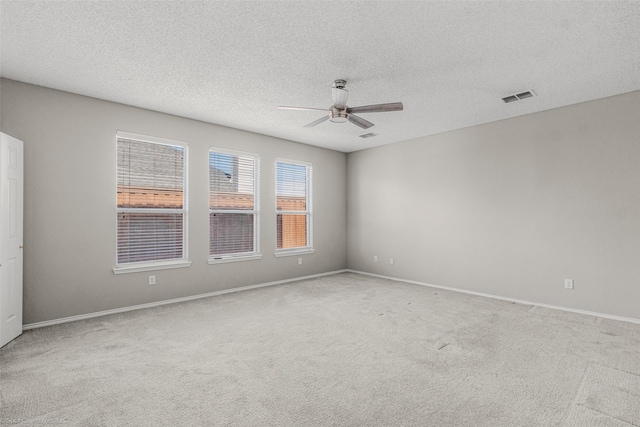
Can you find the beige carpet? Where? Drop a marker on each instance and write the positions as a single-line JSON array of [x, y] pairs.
[[343, 350]]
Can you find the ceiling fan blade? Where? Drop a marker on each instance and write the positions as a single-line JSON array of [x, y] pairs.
[[377, 108], [302, 108], [317, 122], [339, 97], [359, 121]]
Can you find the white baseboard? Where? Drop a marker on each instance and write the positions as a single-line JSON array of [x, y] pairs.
[[170, 301], [278, 282], [482, 294]]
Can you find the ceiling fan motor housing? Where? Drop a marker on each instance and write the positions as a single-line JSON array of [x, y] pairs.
[[338, 116]]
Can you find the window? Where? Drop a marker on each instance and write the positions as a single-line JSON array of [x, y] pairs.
[[151, 203], [234, 206], [293, 208]]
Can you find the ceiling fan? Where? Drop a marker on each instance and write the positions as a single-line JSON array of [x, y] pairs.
[[340, 112]]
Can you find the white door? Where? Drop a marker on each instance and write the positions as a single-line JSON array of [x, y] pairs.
[[11, 156]]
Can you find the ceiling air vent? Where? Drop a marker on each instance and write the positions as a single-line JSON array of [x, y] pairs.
[[368, 135], [518, 96]]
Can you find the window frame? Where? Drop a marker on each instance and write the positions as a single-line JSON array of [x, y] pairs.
[[301, 250], [132, 267], [240, 256]]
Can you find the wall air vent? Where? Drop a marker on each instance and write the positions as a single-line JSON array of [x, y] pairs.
[[368, 135], [518, 96]]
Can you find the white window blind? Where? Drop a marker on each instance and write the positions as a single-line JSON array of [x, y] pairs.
[[151, 202], [293, 205], [234, 205]]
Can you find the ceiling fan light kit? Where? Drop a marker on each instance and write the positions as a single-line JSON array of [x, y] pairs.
[[341, 113], [338, 116]]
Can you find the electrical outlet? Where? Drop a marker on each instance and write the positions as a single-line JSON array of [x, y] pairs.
[[152, 280], [568, 283], [299, 261], [375, 258], [391, 261]]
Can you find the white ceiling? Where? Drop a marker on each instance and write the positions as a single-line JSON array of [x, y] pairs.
[[231, 63]]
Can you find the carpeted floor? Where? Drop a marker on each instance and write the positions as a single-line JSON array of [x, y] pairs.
[[342, 350]]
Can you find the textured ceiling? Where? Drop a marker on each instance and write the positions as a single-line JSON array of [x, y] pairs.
[[231, 63]]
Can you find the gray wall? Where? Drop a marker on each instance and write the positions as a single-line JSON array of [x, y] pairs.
[[70, 219], [510, 208]]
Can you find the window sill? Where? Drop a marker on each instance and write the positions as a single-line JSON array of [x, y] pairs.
[[293, 252], [225, 259], [135, 268]]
